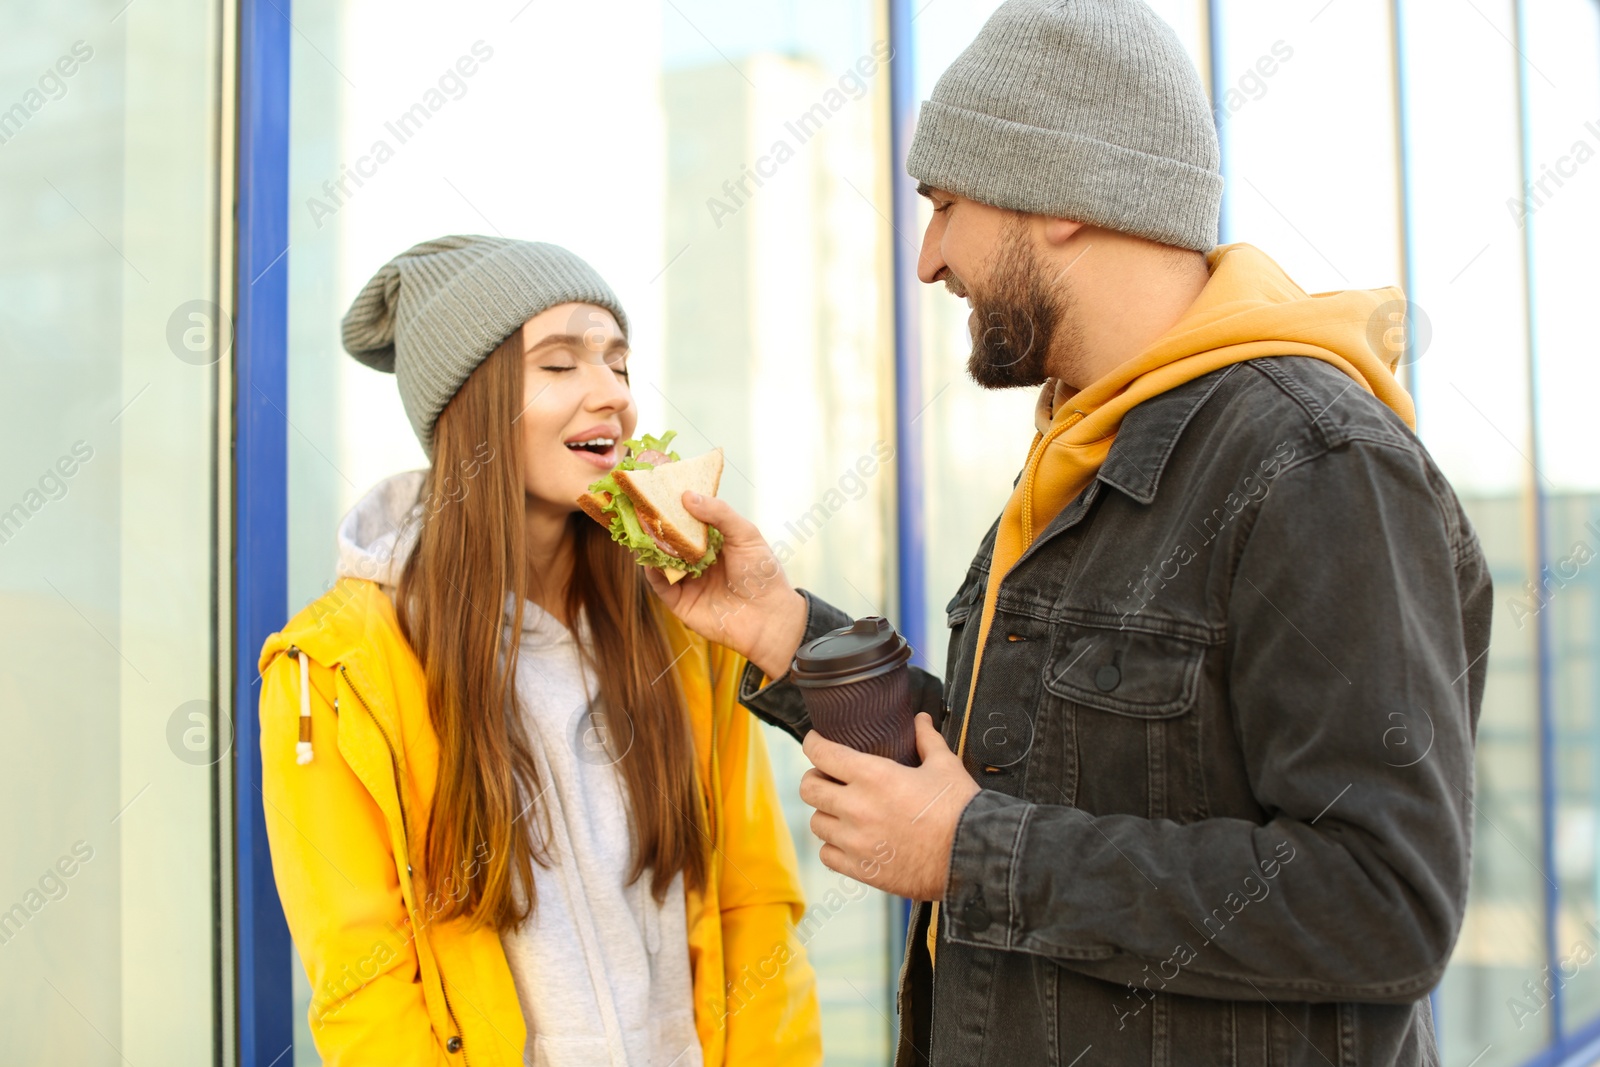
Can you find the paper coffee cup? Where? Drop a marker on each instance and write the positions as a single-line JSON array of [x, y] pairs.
[[856, 682]]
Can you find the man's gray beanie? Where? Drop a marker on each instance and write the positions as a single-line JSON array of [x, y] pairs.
[[434, 312], [1081, 109]]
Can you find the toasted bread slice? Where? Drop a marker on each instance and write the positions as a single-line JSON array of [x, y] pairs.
[[594, 505], [657, 497]]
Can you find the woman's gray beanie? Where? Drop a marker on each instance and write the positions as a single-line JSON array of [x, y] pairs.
[[1081, 109], [434, 312]]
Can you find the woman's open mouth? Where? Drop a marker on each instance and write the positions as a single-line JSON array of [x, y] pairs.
[[600, 451]]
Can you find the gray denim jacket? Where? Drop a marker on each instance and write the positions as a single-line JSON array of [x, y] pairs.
[[1224, 730]]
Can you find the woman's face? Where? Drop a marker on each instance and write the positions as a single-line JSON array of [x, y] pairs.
[[576, 405]]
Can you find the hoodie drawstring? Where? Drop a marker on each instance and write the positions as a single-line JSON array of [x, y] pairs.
[[302, 748]]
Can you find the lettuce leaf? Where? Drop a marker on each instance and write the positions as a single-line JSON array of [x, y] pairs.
[[626, 529], [648, 443]]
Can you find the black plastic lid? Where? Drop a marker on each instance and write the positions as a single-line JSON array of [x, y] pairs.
[[866, 647]]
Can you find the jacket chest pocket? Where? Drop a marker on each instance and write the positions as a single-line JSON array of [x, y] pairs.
[[1120, 718], [962, 614]]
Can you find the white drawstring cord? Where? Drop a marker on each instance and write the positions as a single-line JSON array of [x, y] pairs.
[[302, 748]]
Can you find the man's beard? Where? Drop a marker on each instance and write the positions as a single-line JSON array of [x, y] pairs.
[[1017, 319]]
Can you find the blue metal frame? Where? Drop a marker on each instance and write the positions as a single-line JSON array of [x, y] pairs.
[[911, 558], [911, 549], [260, 508], [1402, 136], [1214, 63], [1547, 798], [1580, 1049], [1579, 1046]]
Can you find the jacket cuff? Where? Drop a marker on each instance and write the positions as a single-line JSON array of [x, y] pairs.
[[778, 702], [980, 892]]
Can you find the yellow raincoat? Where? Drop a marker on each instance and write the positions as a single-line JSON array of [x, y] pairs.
[[393, 985]]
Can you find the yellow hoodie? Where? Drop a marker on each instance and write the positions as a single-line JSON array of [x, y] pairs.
[[1249, 309], [393, 985]]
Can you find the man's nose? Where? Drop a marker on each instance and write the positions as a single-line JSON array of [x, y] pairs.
[[930, 261]]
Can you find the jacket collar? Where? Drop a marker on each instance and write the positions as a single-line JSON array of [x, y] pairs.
[[1149, 434]]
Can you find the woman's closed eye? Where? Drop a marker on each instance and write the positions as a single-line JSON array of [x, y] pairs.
[[564, 358], [621, 372]]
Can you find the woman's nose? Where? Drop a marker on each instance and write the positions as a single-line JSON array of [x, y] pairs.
[[608, 390]]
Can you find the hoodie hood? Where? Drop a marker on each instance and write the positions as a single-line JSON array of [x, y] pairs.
[[1249, 308], [377, 535], [374, 539]]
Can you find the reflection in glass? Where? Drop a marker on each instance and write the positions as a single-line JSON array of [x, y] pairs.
[[110, 337], [755, 277]]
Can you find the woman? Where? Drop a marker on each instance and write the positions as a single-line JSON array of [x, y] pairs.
[[516, 813]]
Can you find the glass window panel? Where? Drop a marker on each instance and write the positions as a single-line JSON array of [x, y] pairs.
[[777, 346], [1337, 226], [756, 287], [109, 349], [1563, 211], [1470, 383], [973, 440], [1306, 118]]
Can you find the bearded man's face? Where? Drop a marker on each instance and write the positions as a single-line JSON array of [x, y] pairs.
[[1017, 319]]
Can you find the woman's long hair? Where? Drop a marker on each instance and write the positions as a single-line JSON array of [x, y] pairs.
[[470, 550]]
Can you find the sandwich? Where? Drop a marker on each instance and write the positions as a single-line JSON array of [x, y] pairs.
[[641, 502]]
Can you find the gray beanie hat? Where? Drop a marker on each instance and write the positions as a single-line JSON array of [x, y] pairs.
[[1082, 109], [434, 312]]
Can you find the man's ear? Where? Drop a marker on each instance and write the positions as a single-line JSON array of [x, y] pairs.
[[1059, 231]]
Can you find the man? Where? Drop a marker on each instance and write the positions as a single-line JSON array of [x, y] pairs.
[[1196, 787]]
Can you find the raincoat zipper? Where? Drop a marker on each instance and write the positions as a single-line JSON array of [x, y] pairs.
[[399, 797]]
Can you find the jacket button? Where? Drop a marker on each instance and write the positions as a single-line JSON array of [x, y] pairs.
[[1107, 678], [976, 916], [453, 1045]]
